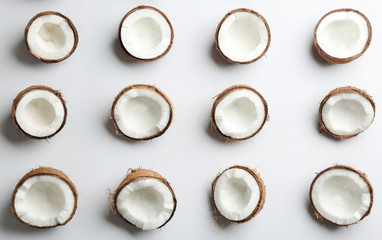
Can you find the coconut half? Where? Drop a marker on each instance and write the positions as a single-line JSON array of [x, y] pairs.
[[51, 37], [341, 195], [242, 36], [346, 112], [239, 112], [141, 112], [44, 198], [39, 112], [146, 34], [145, 199], [238, 194], [342, 35]]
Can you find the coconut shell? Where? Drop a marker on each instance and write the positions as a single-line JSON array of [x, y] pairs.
[[222, 95], [339, 91], [46, 171], [146, 87], [218, 30], [335, 60], [69, 22], [28, 90], [261, 185], [361, 174], [137, 175], [120, 37]]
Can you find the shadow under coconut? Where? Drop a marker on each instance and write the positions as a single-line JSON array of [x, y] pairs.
[[317, 57], [9, 223], [323, 133], [21, 53], [121, 54], [111, 129], [11, 133], [327, 225], [116, 220], [217, 58], [214, 134], [219, 221]]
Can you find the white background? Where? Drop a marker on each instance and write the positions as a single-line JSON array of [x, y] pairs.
[[287, 152]]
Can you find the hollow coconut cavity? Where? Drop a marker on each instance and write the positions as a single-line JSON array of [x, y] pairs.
[[238, 194], [39, 112], [44, 198], [242, 36], [146, 34], [342, 35], [141, 112], [145, 199], [51, 37], [341, 195], [346, 112], [239, 112]]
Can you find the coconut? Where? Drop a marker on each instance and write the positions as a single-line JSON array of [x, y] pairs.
[[141, 112], [341, 195], [39, 112], [44, 198], [342, 35], [239, 112], [51, 37], [146, 34], [242, 36], [238, 194], [145, 199], [346, 112]]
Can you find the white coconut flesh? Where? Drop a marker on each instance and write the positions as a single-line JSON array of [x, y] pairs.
[[347, 114], [44, 201], [236, 194], [146, 34], [141, 113], [40, 113], [343, 34], [51, 37], [341, 196], [240, 114], [147, 204], [243, 37]]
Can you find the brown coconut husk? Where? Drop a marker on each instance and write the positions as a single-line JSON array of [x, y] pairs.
[[136, 175], [339, 91], [120, 37], [361, 174], [222, 21], [68, 21], [46, 171], [335, 60], [222, 95], [259, 205], [31, 89], [146, 87]]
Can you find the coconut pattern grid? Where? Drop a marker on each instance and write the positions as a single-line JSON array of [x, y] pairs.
[[80, 140]]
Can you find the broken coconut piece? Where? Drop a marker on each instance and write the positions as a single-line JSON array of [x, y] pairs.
[[141, 112], [238, 194], [242, 36], [146, 34], [44, 198], [342, 35], [239, 112], [145, 199], [39, 112], [341, 195], [51, 37], [346, 112]]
